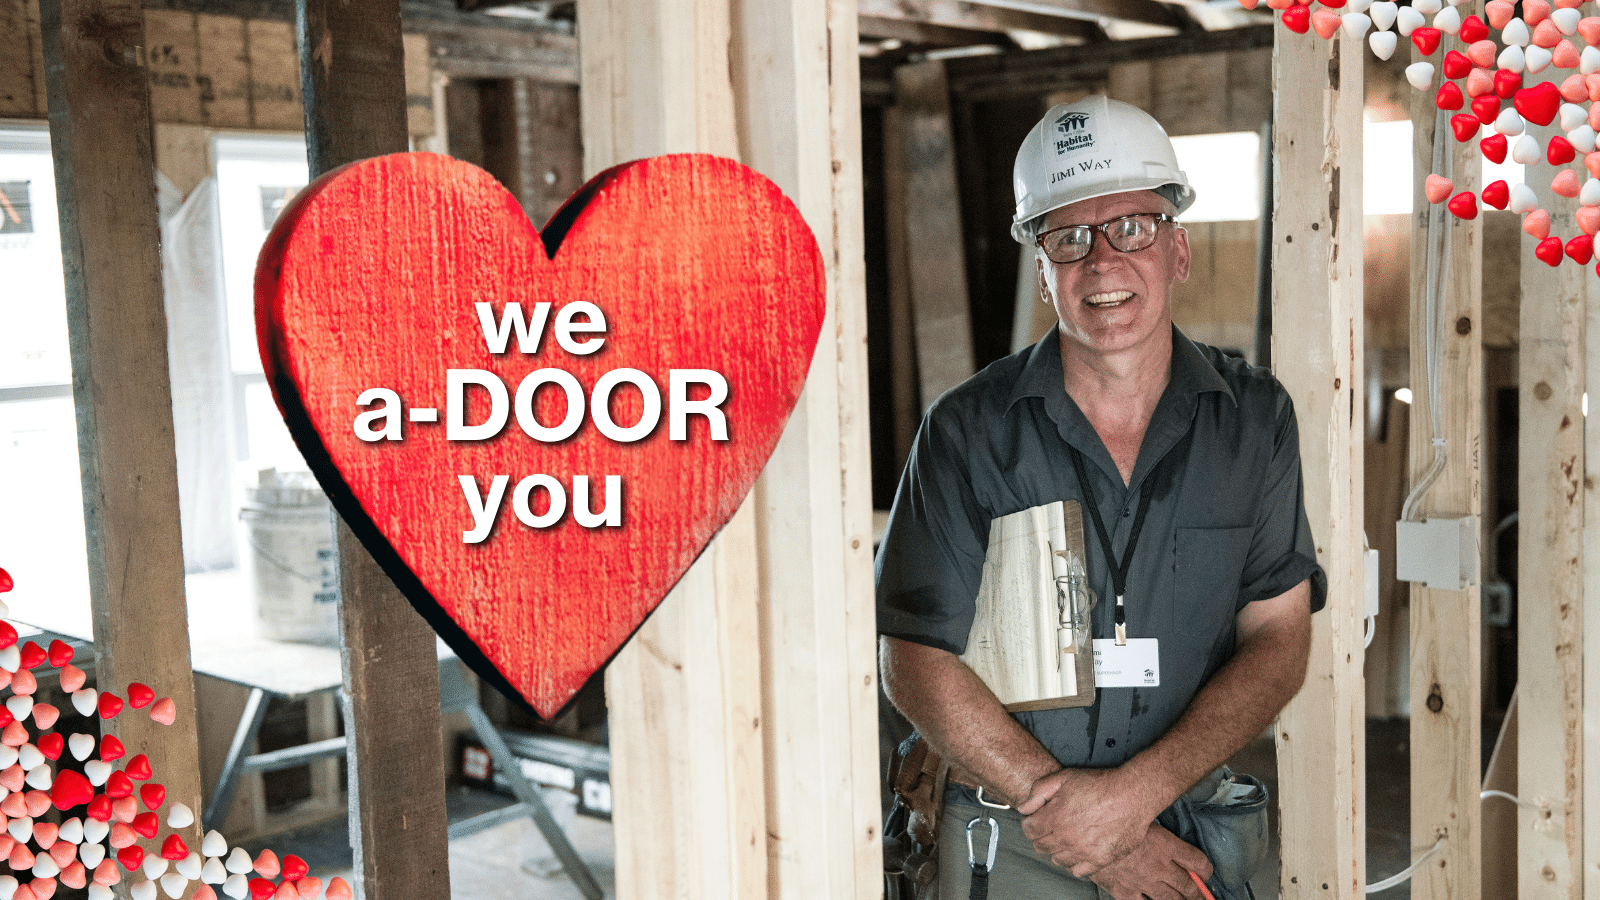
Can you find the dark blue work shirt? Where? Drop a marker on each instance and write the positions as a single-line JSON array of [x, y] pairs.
[[1226, 525]]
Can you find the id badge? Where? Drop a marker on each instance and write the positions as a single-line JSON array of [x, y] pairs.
[[1135, 664]]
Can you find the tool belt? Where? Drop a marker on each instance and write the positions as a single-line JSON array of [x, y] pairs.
[[918, 777]]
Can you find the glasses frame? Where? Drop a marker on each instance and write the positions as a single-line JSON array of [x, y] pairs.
[[1089, 247]]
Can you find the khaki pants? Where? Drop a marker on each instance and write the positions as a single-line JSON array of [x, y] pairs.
[[1019, 873]]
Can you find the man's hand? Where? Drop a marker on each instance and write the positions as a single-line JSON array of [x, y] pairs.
[[1158, 869], [1085, 819]]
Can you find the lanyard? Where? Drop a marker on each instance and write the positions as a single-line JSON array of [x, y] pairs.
[[1119, 569]]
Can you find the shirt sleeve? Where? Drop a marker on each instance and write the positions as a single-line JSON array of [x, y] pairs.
[[930, 561], [1282, 552]]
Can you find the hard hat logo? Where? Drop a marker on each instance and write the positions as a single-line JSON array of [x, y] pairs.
[[1131, 152]]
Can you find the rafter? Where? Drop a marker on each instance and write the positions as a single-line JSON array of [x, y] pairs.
[[1144, 12], [971, 17]]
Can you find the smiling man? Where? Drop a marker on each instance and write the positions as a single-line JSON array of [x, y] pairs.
[[1186, 465]]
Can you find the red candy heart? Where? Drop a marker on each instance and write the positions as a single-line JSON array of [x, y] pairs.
[[51, 744], [8, 634], [1493, 148], [1465, 126], [1426, 40], [110, 704], [33, 655], [294, 868], [262, 889], [152, 795], [1456, 64], [6, 583], [98, 808], [119, 786], [1464, 205], [1297, 19], [71, 789], [140, 696], [174, 848], [146, 824], [708, 241], [1507, 83], [1581, 249], [1472, 30], [1538, 104], [131, 856], [138, 768], [1549, 251], [1449, 96], [60, 653], [1560, 151], [112, 749]]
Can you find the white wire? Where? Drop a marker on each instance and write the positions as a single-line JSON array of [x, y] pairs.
[[1437, 265], [1401, 877], [1525, 804]]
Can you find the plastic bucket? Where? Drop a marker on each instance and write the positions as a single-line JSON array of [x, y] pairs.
[[294, 561]]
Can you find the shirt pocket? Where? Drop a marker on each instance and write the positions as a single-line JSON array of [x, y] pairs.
[[1209, 570]]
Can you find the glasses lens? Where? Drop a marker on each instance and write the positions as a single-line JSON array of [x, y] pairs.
[[1068, 244], [1131, 233]]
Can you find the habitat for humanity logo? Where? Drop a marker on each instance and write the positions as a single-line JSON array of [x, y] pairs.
[[1072, 133]]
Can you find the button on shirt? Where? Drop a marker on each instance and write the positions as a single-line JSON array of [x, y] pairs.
[[1226, 526]]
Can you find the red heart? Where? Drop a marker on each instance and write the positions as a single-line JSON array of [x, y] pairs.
[[119, 786], [1538, 104], [1456, 64], [138, 768], [51, 743], [696, 263], [1464, 205], [109, 704], [1297, 19], [146, 824], [131, 856], [1426, 40], [1507, 83], [294, 868], [112, 749], [8, 634], [1472, 30], [262, 889], [6, 583], [33, 655], [1494, 148], [60, 653], [1559, 150], [152, 795], [140, 695], [70, 789], [1465, 126], [174, 848], [1581, 249], [1449, 96], [1486, 108], [99, 808], [1549, 250]]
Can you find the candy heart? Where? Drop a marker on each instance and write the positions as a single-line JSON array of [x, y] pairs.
[[144, 890], [44, 834], [111, 749], [1381, 42], [174, 885], [1480, 84], [32, 655], [124, 809], [1515, 34], [1548, 251], [71, 830], [262, 889], [1522, 199], [179, 816], [138, 768], [95, 830], [1463, 205], [1325, 23], [1437, 188], [1358, 6], [109, 704], [174, 848], [40, 888], [72, 679], [1356, 24], [1456, 65], [1472, 30], [1448, 20], [1589, 61], [1588, 219], [1408, 20], [45, 867], [29, 756], [63, 854], [59, 653], [122, 835], [152, 795], [38, 803], [294, 868], [1594, 116], [1449, 96], [20, 858], [1383, 14], [190, 866], [75, 876], [1426, 40], [549, 632], [1537, 225], [106, 873], [1538, 104], [24, 683], [81, 745], [1512, 61], [119, 786], [1507, 83], [1590, 195], [1565, 56], [130, 856], [1297, 19], [1465, 126], [338, 889], [1546, 35], [236, 887], [1525, 151], [1559, 151], [266, 864], [92, 854], [50, 743], [1571, 116], [1427, 7], [98, 771], [10, 659], [1589, 30], [1580, 249], [70, 789], [214, 844], [147, 825], [84, 701], [1582, 138], [1537, 59], [1509, 123], [21, 706], [213, 872], [239, 861], [164, 711], [13, 778], [20, 829], [99, 810], [14, 735], [1420, 75], [1566, 183], [310, 887], [140, 695]]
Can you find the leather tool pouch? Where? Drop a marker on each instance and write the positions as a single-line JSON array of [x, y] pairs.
[[1230, 827], [911, 832]]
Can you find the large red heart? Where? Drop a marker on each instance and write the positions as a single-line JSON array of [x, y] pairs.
[[370, 280]]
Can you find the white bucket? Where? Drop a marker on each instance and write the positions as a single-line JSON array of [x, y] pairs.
[[289, 524]]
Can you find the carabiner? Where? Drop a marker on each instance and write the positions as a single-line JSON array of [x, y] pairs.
[[989, 804], [994, 844]]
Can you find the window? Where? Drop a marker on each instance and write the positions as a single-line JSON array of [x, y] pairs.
[[1225, 170]]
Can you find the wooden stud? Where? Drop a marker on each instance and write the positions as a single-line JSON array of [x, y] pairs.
[[902, 330], [100, 133], [22, 81], [355, 108], [1446, 642], [1550, 557], [1317, 229]]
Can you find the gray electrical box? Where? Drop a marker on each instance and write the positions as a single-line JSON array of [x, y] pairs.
[[1439, 553]]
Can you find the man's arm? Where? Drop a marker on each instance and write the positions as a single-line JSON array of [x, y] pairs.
[[1087, 819]]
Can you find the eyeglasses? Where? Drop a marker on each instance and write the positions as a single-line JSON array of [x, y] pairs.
[[1071, 243]]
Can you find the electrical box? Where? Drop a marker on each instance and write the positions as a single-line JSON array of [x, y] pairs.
[[1373, 572], [1439, 553]]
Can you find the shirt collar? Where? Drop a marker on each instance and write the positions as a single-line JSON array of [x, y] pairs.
[[1042, 375]]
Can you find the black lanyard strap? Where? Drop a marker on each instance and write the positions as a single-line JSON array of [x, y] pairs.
[[1119, 568]]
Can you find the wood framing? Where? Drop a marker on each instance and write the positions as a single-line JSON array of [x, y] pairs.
[[356, 108], [1445, 633], [1317, 286], [101, 138], [747, 702]]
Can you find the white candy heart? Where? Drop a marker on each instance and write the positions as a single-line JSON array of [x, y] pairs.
[[91, 854], [20, 706], [71, 831], [180, 816], [29, 756], [190, 866], [8, 887], [214, 844], [21, 829], [1358, 6], [85, 701], [1356, 24], [239, 862], [95, 831], [1408, 20], [45, 867], [1566, 20], [144, 890], [1589, 61], [153, 866], [11, 658], [1427, 7], [5, 613], [1420, 75], [1572, 115], [213, 872], [1582, 139], [1512, 59], [1538, 59], [174, 884], [1515, 33], [1523, 199], [40, 777], [1590, 194], [1383, 13], [1525, 150], [1382, 43], [81, 746], [8, 756], [97, 771], [1448, 20], [237, 886], [100, 892]]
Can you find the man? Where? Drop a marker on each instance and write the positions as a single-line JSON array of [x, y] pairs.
[[1191, 461]]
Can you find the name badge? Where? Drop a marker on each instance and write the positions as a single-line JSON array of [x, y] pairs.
[[1135, 664]]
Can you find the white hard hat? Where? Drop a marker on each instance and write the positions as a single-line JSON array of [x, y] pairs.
[[1090, 148]]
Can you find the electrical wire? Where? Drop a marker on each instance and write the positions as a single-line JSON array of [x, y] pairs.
[[1525, 804], [1438, 262], [1401, 877]]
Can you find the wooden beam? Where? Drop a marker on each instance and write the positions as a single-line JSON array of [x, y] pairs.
[[22, 80], [1317, 285], [973, 17], [907, 408], [1142, 12], [355, 108], [101, 139], [933, 229], [927, 34], [1552, 373], [1445, 629]]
